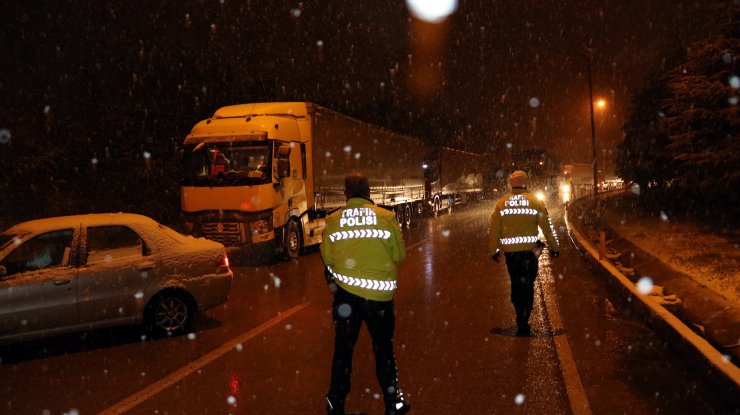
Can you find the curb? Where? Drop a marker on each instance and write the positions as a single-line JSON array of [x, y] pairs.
[[715, 367]]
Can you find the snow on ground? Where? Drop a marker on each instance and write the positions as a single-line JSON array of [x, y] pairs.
[[700, 251]]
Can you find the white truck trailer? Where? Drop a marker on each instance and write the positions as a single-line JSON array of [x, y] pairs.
[[261, 178], [578, 180], [452, 177]]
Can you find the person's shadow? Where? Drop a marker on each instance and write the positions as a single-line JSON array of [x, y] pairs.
[[536, 332]]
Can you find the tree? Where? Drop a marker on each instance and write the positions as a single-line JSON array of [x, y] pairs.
[[641, 157], [682, 129], [702, 122]]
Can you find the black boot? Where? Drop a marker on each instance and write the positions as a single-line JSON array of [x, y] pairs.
[[395, 404], [334, 406]]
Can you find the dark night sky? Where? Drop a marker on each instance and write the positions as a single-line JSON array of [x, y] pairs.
[[498, 72]]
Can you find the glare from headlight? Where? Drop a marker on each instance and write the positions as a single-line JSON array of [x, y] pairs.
[[540, 195]]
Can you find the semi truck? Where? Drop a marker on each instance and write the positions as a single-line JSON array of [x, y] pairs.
[[261, 178], [452, 177]]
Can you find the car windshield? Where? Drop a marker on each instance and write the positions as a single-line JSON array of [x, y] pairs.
[[226, 164]]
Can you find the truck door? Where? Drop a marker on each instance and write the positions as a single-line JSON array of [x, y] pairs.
[[298, 175]]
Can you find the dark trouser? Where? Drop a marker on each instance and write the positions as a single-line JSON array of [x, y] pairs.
[[522, 268], [349, 311]]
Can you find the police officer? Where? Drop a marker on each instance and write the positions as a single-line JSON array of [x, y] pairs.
[[513, 229], [362, 245]]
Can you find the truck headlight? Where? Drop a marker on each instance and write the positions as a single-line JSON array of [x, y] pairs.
[[260, 226]]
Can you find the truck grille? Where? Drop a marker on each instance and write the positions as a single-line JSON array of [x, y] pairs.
[[226, 233]]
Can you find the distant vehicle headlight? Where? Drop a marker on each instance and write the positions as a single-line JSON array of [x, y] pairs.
[[540, 195]]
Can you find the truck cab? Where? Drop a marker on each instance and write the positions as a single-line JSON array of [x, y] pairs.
[[243, 178]]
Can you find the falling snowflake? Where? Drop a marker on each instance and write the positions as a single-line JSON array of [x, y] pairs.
[[344, 310], [276, 281], [645, 285], [735, 81], [4, 136], [519, 399]]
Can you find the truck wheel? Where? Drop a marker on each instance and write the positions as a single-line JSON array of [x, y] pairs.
[[399, 215], [407, 215], [292, 240]]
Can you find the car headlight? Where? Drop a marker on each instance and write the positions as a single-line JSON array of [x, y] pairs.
[[540, 195]]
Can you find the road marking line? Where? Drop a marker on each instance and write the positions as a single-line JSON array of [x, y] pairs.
[[137, 398], [573, 387]]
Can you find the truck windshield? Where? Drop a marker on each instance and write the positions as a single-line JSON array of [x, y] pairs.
[[226, 164]]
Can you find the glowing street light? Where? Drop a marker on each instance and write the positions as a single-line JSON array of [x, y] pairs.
[[432, 11], [601, 104]]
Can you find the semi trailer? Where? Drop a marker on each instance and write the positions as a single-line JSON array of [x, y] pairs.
[[452, 177]]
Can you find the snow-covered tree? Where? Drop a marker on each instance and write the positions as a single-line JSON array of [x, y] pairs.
[[682, 133], [702, 119]]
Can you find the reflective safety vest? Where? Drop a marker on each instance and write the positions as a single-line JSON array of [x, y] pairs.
[[515, 221], [362, 246]]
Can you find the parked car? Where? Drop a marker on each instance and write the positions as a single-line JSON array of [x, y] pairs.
[[76, 273]]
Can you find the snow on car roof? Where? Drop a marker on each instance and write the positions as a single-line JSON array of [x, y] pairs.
[[92, 219], [157, 236]]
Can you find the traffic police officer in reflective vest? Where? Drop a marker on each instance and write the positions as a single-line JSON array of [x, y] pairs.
[[361, 247], [513, 229]]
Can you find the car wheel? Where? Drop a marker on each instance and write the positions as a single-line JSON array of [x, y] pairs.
[[292, 240], [170, 313]]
